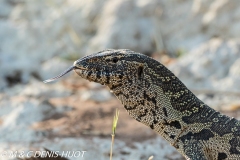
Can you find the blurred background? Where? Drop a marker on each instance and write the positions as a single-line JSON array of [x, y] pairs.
[[196, 39]]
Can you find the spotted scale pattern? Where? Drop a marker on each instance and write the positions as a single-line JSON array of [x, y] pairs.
[[154, 96]]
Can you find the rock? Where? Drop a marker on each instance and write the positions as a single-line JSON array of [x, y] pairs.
[[73, 29], [47, 31], [16, 124], [147, 26], [24, 105], [126, 24], [209, 65]]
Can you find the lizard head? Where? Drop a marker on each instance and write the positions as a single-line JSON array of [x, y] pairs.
[[136, 79], [112, 68]]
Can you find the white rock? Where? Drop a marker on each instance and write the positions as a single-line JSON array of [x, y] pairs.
[[209, 64], [37, 31], [16, 125], [125, 24], [42, 32], [147, 26]]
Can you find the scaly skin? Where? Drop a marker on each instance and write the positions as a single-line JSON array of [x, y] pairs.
[[154, 96]]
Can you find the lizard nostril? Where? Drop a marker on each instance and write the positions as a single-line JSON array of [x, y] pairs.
[[140, 71], [115, 60]]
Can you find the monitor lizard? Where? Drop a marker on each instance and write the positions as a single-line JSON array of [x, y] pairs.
[[154, 96]]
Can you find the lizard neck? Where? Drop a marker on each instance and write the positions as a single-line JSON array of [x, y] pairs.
[[150, 105], [162, 102], [153, 108]]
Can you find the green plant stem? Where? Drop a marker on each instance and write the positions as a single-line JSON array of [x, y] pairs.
[[112, 146]]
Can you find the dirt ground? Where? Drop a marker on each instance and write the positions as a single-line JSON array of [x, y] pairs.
[[89, 118]]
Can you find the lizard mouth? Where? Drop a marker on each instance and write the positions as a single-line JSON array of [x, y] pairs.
[[79, 67]]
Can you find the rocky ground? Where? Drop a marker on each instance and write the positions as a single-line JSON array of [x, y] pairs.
[[40, 39]]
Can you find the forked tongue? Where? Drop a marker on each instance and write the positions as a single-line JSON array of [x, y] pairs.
[[60, 75]]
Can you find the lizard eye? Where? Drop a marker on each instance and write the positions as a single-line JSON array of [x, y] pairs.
[[115, 60]]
